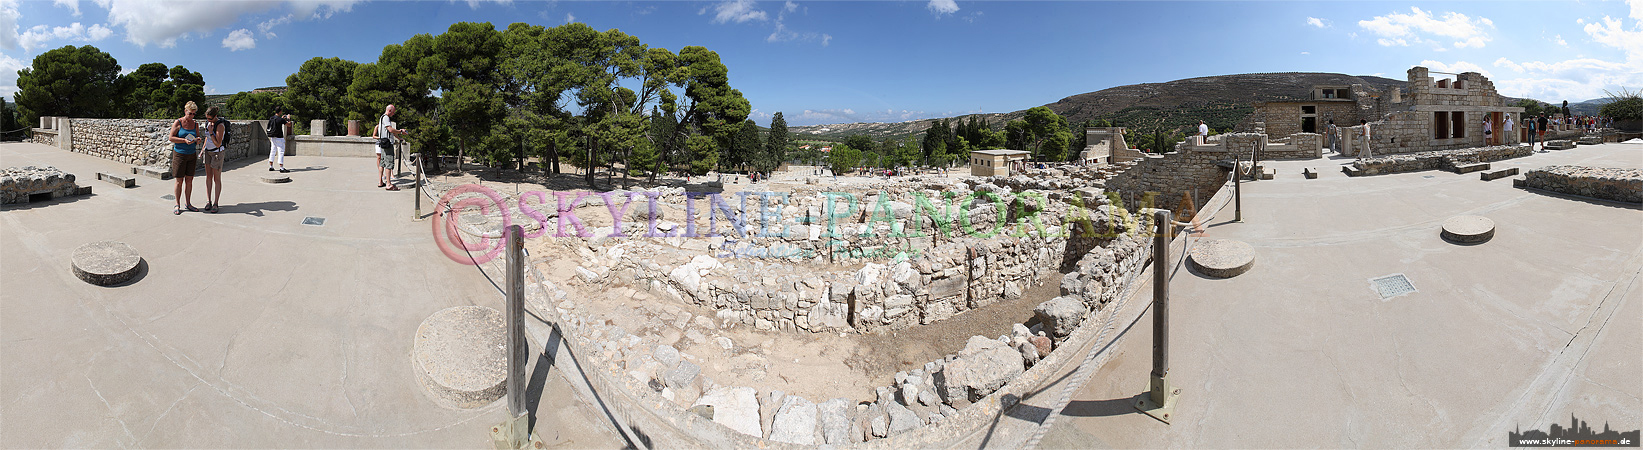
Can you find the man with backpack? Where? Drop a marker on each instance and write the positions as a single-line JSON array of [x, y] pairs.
[[279, 127]]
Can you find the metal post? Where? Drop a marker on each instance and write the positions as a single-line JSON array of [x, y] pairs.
[[1159, 401], [1237, 190], [515, 431], [418, 170]]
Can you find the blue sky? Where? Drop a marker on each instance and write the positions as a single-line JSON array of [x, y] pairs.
[[848, 61]]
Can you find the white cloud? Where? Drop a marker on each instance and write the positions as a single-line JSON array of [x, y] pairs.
[[1583, 78], [72, 5], [783, 34], [1306, 53], [834, 115], [8, 24], [161, 22], [942, 7], [40, 35], [1409, 28], [474, 4], [8, 75], [1574, 80], [1457, 67], [1391, 42], [1507, 63], [738, 11], [570, 18], [1559, 40], [1320, 23], [1610, 32], [789, 6], [239, 40]]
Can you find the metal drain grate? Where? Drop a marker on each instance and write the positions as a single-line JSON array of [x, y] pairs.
[[1427, 176], [1391, 285], [315, 221]]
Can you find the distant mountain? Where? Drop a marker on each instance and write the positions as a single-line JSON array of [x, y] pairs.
[[1588, 108], [1221, 101]]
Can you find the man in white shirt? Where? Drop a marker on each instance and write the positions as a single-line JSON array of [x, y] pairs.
[[386, 138], [1203, 133], [1508, 137]]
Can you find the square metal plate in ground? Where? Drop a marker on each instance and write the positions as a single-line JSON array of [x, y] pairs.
[[315, 221], [1391, 286]]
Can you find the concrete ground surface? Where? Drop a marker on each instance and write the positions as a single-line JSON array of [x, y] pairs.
[[247, 328], [1543, 321]]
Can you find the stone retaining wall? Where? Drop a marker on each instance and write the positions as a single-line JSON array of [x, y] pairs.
[[143, 141], [139, 142], [1624, 185], [1439, 160], [44, 136], [1176, 176]]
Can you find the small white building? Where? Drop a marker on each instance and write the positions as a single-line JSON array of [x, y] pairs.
[[997, 162]]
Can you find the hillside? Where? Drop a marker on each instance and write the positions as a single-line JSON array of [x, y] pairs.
[[1219, 100]]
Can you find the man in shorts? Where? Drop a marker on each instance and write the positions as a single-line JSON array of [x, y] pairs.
[[387, 136]]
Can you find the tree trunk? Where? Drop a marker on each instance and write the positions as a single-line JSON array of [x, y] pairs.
[[553, 154], [590, 164], [460, 147]]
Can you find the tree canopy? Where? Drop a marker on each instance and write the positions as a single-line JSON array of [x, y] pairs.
[[69, 81]]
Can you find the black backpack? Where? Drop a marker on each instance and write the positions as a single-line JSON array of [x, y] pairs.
[[274, 129], [227, 131]]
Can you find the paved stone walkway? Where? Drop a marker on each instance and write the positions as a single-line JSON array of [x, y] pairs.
[[248, 328], [1538, 323]]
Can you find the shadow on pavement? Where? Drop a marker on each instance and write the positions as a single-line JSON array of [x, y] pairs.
[[1102, 408], [42, 204], [256, 209]]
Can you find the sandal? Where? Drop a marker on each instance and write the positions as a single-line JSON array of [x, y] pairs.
[[393, 188], [178, 210], [191, 208], [381, 184]]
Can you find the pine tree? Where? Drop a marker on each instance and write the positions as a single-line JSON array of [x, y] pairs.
[[776, 144]]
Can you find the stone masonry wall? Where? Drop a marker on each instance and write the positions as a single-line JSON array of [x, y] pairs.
[[143, 141], [1438, 160], [44, 137], [1625, 185], [1178, 175]]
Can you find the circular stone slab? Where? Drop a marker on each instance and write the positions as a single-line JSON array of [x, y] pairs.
[[1222, 258], [1468, 229], [106, 263], [460, 356], [276, 179]]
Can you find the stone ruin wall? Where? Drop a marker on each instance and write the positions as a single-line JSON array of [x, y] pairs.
[[1438, 159], [868, 279], [1624, 185], [970, 388], [143, 141], [1283, 119], [1176, 176], [44, 137], [138, 141]]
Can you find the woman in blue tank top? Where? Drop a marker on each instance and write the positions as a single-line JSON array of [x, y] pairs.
[[185, 138]]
